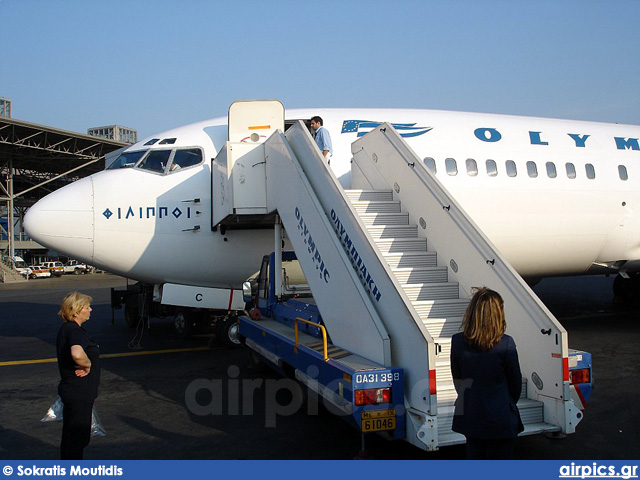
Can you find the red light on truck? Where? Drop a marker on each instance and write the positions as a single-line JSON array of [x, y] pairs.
[[372, 396], [581, 375]]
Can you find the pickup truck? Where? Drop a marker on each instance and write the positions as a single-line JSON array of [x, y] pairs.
[[56, 268], [75, 267]]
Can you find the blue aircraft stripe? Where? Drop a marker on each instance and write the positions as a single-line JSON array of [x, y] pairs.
[[362, 127]]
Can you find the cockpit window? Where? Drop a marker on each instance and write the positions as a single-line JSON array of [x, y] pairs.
[[156, 161], [126, 160], [185, 158]]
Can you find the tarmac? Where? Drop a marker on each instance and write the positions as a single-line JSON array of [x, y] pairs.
[[165, 397]]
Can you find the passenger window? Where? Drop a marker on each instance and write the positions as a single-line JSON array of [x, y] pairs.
[[472, 167], [430, 163], [156, 161], [126, 160], [451, 166], [551, 170], [591, 172], [512, 170], [185, 158], [532, 169], [492, 168], [571, 170], [622, 171]]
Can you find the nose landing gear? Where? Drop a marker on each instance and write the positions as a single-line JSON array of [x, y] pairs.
[[626, 289]]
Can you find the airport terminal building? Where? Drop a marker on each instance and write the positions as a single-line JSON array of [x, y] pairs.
[[36, 160]]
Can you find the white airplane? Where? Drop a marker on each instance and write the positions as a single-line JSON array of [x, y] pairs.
[[557, 197]]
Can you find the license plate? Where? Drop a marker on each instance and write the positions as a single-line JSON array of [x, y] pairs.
[[378, 420]]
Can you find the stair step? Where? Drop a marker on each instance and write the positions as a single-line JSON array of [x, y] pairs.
[[411, 259], [385, 218], [393, 231], [443, 327], [376, 207], [531, 413], [421, 274], [535, 428], [441, 308], [450, 438], [369, 195], [443, 374], [432, 291], [446, 394], [434, 298], [398, 245], [446, 438]]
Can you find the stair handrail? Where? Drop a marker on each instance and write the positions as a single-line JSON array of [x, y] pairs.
[[325, 355], [416, 353], [372, 154]]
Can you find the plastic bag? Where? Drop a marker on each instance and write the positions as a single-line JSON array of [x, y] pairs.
[[55, 411], [97, 430], [55, 414]]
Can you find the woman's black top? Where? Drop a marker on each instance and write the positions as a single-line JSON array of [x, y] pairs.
[[72, 387], [488, 385]]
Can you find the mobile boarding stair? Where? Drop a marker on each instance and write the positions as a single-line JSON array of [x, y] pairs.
[[390, 264]]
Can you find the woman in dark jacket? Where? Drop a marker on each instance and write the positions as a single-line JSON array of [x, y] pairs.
[[486, 374], [79, 365]]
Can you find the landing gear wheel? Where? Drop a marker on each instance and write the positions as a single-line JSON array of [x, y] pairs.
[[132, 313], [184, 322], [228, 331], [626, 290]]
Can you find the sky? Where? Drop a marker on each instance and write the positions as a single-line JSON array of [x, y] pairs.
[[155, 65]]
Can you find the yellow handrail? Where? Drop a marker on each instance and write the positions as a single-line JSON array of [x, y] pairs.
[[322, 329]]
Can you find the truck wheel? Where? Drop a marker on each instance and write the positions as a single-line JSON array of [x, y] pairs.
[[257, 362], [77, 271], [228, 331], [184, 323]]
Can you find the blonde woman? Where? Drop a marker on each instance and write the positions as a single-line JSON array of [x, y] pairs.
[[79, 366], [486, 374]]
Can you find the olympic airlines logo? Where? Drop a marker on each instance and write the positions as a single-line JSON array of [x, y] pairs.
[[125, 213], [362, 127], [488, 134]]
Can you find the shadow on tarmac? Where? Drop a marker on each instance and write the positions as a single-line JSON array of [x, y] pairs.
[[147, 397]]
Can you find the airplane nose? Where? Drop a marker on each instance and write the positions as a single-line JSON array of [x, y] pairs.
[[63, 220]]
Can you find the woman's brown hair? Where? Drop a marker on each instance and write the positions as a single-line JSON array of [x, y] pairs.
[[483, 324]]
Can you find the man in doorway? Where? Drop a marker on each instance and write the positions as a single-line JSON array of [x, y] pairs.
[[323, 139]]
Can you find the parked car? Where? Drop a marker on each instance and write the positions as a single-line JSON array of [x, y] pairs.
[[39, 271], [56, 268], [76, 267]]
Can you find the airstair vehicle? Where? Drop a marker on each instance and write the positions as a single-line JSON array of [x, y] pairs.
[[390, 265]]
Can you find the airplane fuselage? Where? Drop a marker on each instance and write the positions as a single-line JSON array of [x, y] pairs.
[[556, 197]]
